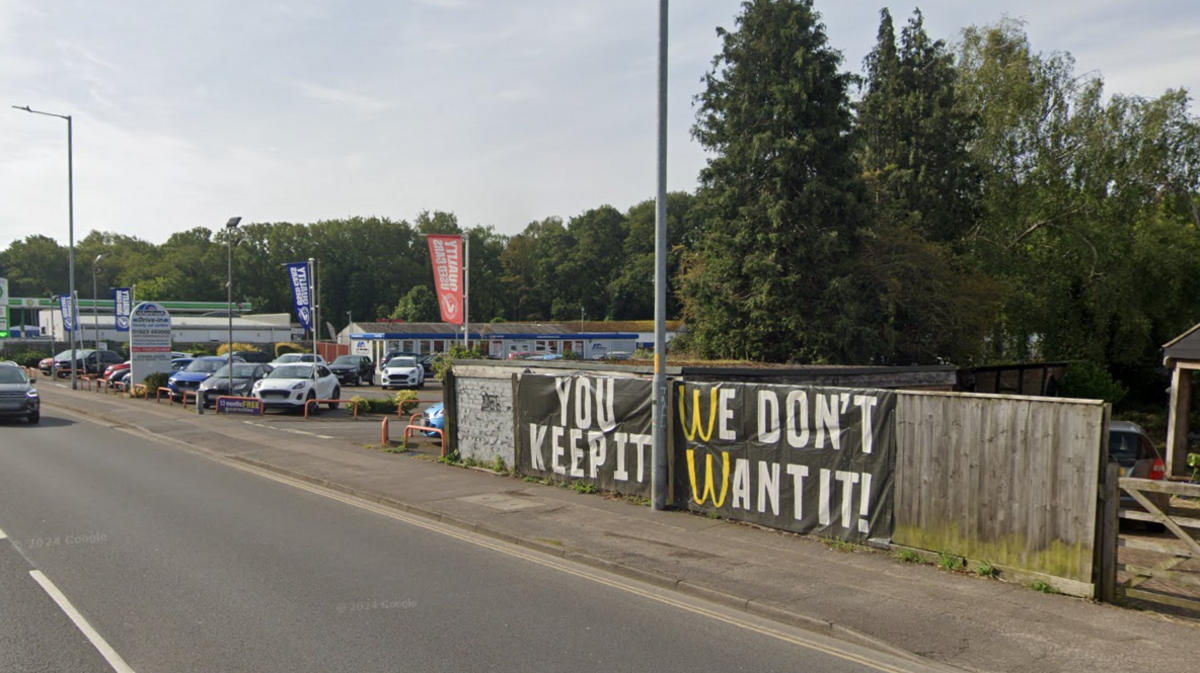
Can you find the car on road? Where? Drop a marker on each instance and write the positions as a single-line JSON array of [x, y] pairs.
[[292, 385], [190, 377], [245, 375], [434, 417], [403, 371], [1135, 453], [353, 369], [296, 358], [18, 397]]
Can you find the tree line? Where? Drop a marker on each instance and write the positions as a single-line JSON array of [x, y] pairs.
[[967, 201]]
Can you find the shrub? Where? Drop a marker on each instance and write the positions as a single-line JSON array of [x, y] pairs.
[[1092, 381], [572, 355], [285, 347], [442, 362], [237, 347], [373, 405], [156, 380], [27, 358], [199, 351], [643, 354], [405, 400]]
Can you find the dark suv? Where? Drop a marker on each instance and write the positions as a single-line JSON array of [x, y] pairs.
[[17, 395], [87, 361], [353, 370]]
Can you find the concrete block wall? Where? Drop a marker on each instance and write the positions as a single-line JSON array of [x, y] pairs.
[[485, 418]]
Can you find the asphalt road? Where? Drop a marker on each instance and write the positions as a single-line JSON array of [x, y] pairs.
[[182, 563]]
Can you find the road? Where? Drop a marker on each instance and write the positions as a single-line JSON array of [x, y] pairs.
[[180, 562]]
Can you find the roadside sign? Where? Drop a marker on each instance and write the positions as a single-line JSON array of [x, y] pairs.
[[149, 341], [240, 405]]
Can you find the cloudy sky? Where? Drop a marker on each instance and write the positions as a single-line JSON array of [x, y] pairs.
[[502, 111]]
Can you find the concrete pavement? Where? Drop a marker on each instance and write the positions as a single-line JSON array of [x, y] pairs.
[[861, 596]]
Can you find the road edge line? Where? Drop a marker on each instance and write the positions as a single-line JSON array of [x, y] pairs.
[[110, 655]]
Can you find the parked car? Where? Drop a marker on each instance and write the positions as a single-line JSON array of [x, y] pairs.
[[257, 357], [114, 369], [18, 397], [87, 361], [292, 385], [403, 371], [353, 369], [1132, 449], [297, 358], [393, 354], [190, 377], [427, 363], [245, 375], [46, 365], [434, 417]]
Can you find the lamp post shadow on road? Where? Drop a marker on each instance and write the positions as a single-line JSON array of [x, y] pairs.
[[70, 228]]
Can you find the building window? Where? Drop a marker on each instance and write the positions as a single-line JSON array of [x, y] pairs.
[[439, 347], [540, 347]]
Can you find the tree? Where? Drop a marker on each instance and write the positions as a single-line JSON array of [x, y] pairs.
[[419, 305], [932, 303], [780, 201]]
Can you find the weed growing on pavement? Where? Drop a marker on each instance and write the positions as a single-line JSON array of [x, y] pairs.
[[556, 543], [1043, 587], [584, 487], [713, 514], [546, 481], [908, 556], [838, 545], [986, 569], [530, 480], [450, 459], [498, 465], [948, 561], [395, 449]]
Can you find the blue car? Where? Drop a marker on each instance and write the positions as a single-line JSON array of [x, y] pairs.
[[434, 417], [190, 377]]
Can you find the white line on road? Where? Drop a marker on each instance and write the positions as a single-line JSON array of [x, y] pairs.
[[2, 535], [294, 432], [110, 655]]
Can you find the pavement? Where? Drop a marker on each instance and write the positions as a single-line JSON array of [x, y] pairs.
[[859, 595]]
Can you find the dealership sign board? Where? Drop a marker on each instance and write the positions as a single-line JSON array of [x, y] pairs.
[[594, 429], [239, 405], [803, 459], [149, 341]]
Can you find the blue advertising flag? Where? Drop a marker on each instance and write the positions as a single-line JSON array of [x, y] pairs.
[[301, 299], [122, 307], [70, 313]]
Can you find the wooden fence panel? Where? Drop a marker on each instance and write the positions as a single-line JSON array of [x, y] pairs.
[[1007, 480]]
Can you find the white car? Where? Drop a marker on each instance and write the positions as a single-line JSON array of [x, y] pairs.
[[291, 386], [296, 358], [403, 371]]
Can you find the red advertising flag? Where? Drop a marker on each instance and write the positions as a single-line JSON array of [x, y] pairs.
[[446, 253]]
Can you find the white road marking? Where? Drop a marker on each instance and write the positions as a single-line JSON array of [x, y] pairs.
[[110, 655], [2, 535], [294, 432]]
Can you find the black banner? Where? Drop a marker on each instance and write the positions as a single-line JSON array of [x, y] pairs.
[[799, 458], [594, 429]]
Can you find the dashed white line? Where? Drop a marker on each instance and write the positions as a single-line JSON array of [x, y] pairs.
[[110, 655]]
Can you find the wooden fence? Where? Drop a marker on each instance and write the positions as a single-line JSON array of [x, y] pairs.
[[1005, 480]]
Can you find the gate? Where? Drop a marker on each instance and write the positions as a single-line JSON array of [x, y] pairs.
[[1162, 568]]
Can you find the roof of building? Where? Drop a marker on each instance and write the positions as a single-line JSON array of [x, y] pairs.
[[393, 330], [1186, 346]]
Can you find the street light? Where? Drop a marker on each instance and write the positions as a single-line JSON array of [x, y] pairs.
[[70, 228], [95, 309], [230, 230]]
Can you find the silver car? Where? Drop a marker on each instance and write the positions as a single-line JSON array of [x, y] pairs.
[[18, 397]]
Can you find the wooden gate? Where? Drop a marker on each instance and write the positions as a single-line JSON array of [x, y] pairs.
[[1163, 568]]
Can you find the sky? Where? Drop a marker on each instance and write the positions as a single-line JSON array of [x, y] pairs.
[[501, 111]]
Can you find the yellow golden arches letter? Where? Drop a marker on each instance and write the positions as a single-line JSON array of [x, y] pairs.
[[709, 489], [696, 422]]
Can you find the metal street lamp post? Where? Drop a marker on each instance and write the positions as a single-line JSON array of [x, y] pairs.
[[230, 230], [658, 484], [95, 307], [70, 228]]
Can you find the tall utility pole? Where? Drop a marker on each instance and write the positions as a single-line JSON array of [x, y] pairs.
[[230, 230], [70, 233], [466, 273], [658, 485]]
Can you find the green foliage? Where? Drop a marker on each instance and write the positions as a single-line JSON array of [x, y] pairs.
[[643, 354], [1193, 461], [405, 401], [986, 569], [419, 305], [155, 381], [237, 347], [780, 203], [1089, 380], [26, 358], [949, 561], [285, 347], [583, 487], [198, 350], [1044, 587], [572, 355], [373, 405], [908, 556], [443, 362], [498, 465]]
